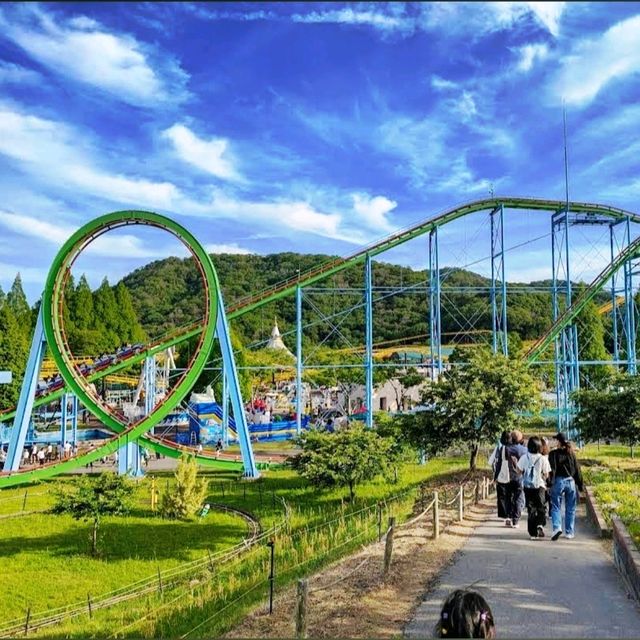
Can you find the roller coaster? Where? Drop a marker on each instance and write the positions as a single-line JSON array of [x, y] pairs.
[[77, 376]]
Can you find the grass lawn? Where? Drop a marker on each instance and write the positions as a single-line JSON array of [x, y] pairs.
[[40, 545], [46, 561], [615, 478]]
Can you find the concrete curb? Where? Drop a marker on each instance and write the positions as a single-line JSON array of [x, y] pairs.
[[626, 556], [595, 515]]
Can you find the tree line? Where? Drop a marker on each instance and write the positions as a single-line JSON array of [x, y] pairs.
[[95, 322]]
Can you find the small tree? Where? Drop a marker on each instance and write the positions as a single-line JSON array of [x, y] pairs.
[[471, 404], [345, 458], [94, 497], [611, 414], [186, 497]]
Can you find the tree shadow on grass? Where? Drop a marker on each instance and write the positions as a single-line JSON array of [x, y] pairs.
[[157, 540]]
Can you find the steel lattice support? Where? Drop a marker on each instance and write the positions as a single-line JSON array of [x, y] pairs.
[[498, 292], [22, 418], [368, 310], [225, 408], [435, 326], [566, 344], [623, 315], [230, 370], [299, 390]]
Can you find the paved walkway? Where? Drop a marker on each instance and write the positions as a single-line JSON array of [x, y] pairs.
[[538, 588]]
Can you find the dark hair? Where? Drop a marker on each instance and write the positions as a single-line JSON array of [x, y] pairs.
[[465, 614], [534, 445], [505, 438], [564, 442]]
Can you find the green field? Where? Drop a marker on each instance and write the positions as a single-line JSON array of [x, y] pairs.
[[55, 547], [615, 479]]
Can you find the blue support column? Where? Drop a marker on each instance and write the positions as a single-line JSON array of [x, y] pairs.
[[435, 327], [629, 308], [64, 402], [25, 401], [498, 295], [615, 314], [567, 373], [229, 364], [299, 390], [225, 408], [74, 420], [368, 310]]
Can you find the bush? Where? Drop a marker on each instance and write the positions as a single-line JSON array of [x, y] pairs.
[[185, 498]]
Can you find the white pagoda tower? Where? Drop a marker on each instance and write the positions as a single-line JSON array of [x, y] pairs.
[[275, 341]]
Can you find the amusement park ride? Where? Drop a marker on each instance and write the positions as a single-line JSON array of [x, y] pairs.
[[131, 430]]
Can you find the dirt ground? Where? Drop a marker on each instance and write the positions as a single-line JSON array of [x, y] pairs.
[[350, 599]]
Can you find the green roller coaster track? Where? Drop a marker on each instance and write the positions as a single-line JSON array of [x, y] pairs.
[[137, 432]]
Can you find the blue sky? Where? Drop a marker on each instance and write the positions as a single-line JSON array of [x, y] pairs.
[[309, 127]]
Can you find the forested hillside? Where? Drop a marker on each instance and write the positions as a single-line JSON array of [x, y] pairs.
[[167, 293]]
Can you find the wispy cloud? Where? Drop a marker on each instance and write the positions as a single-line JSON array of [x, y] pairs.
[[211, 156], [400, 19], [11, 73], [595, 62], [112, 246], [232, 248], [47, 150], [529, 54], [374, 210], [83, 50]]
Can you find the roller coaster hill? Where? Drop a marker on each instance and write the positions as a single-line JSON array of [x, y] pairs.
[[130, 427]]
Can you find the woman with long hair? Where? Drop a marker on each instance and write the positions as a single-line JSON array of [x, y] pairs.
[[567, 481]]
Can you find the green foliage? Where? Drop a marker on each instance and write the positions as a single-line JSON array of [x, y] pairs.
[[17, 301], [183, 500], [345, 458], [14, 349], [471, 404], [94, 497], [610, 414], [591, 346]]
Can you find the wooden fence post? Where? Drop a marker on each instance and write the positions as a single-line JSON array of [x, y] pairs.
[[477, 496], [461, 503], [436, 516], [89, 605], [379, 522], [160, 581], [301, 609], [26, 623], [24, 501], [388, 547]]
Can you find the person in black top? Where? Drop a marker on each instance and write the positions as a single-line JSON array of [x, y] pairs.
[[567, 481]]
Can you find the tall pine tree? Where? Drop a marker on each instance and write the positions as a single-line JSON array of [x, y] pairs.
[[107, 319], [14, 349], [128, 328], [17, 302]]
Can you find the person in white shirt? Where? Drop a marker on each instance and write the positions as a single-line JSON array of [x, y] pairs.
[[535, 469], [500, 464]]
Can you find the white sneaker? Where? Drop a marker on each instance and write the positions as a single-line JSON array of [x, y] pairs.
[[556, 534], [516, 525], [570, 536]]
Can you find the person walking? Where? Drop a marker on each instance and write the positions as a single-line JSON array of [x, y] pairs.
[[567, 481], [535, 469], [498, 460], [514, 492]]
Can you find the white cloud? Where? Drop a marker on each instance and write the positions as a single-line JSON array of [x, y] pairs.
[[442, 84], [595, 62], [209, 155], [86, 52], [371, 16], [481, 18], [466, 106], [29, 275], [16, 74], [113, 246], [50, 149], [374, 211], [529, 54], [227, 248]]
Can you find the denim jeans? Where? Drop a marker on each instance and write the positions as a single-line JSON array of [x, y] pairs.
[[566, 487]]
